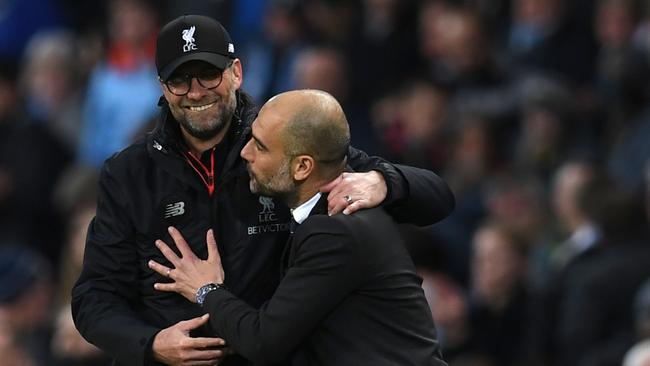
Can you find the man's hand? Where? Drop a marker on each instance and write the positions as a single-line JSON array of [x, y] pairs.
[[353, 191], [174, 346], [189, 272]]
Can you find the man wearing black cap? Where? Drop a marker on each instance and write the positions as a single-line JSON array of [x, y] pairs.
[[188, 173]]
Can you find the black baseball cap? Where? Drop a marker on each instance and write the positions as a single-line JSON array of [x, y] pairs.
[[189, 38]]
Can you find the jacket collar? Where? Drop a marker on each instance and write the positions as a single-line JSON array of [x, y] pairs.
[[321, 206]]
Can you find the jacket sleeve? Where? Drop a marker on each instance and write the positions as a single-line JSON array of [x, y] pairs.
[[416, 196], [326, 268], [102, 294]]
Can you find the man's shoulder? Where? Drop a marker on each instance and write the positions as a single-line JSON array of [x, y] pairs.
[[366, 220], [131, 157]]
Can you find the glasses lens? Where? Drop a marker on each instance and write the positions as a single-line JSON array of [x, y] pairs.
[[178, 85], [210, 78]]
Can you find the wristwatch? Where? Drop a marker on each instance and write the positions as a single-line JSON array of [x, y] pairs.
[[204, 290]]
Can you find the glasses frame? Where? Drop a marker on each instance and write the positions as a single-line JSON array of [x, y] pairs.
[[188, 80]]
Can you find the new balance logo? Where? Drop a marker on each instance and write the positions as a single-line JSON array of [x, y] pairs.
[[174, 209]]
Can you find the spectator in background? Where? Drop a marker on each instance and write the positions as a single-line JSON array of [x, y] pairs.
[[50, 85], [555, 265], [455, 50], [615, 21], [581, 233], [517, 200], [472, 158], [547, 36], [450, 309], [545, 129], [620, 87], [122, 91], [31, 160], [272, 56], [328, 22], [499, 298], [325, 68], [381, 49], [411, 124], [25, 300], [596, 323]]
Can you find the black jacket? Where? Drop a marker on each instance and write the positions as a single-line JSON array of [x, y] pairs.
[[350, 296], [149, 186]]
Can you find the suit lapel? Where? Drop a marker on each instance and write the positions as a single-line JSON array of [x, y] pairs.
[[289, 253]]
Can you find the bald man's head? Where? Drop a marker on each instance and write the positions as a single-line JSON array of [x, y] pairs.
[[316, 126]]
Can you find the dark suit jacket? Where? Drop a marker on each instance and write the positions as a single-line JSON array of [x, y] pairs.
[[349, 296]]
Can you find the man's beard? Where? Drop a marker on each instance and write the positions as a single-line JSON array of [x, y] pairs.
[[280, 185], [216, 125]]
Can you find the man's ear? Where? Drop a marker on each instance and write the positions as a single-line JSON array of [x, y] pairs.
[[302, 167], [237, 73]]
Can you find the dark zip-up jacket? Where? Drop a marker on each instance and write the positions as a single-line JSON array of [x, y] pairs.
[[150, 186]]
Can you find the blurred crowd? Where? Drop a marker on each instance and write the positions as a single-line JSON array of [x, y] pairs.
[[536, 112]]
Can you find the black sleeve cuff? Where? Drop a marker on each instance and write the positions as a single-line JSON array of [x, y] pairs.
[[396, 184]]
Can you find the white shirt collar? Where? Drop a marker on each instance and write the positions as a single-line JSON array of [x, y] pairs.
[[301, 212]]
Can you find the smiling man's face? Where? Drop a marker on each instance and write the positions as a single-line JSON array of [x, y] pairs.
[[202, 112]]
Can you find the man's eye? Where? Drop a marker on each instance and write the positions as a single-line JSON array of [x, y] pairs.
[[178, 80], [210, 74]]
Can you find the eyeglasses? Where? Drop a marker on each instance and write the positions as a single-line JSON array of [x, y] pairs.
[[209, 78]]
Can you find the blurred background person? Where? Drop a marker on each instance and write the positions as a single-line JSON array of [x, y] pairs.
[[25, 300], [50, 83], [499, 305], [31, 160], [123, 89]]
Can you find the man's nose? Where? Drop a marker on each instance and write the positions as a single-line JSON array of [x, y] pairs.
[[245, 152], [197, 91]]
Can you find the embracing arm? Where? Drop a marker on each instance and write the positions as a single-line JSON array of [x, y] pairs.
[[327, 266], [414, 195], [101, 296], [325, 270]]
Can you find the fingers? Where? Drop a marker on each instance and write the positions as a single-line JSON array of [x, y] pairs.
[[329, 186], [335, 205], [157, 267], [338, 189], [340, 185], [208, 362], [355, 206], [180, 242], [167, 252], [213, 251], [194, 322], [204, 342], [165, 287]]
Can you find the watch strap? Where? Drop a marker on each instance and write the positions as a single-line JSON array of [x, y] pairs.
[[204, 290]]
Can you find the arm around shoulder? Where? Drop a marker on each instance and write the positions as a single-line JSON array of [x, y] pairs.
[[414, 195], [417, 196]]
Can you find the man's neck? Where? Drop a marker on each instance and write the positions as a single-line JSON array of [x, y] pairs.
[[308, 189], [303, 195], [198, 146]]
